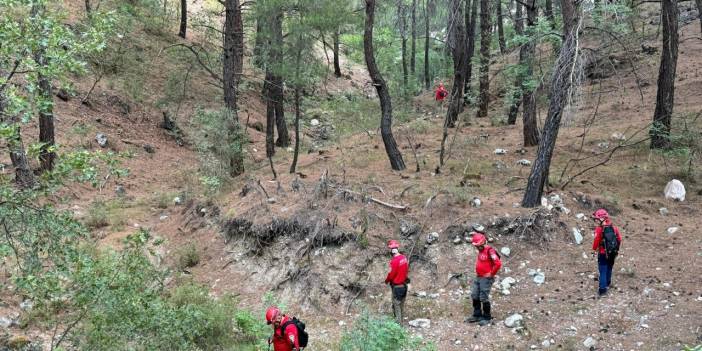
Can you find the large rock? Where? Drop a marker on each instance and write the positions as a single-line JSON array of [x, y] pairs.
[[539, 278], [675, 190], [101, 139], [420, 323], [590, 342], [514, 320], [507, 283]]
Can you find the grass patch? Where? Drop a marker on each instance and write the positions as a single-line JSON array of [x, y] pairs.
[[187, 257]]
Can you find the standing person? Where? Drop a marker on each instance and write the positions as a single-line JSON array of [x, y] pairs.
[[487, 264], [606, 244], [285, 331], [440, 94], [397, 278]]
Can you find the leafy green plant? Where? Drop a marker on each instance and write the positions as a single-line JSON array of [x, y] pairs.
[[692, 348], [216, 144], [372, 333], [187, 256]]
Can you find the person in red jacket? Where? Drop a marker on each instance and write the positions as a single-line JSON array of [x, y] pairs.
[[397, 278], [604, 231], [440, 94], [487, 265], [282, 340]]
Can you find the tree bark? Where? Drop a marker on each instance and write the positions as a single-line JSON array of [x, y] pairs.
[[459, 63], [337, 66], [530, 125], [260, 40], [471, 21], [548, 13], [660, 130], [232, 65], [485, 38], [270, 114], [402, 21], [391, 149], [88, 9], [183, 18], [46, 110], [413, 49], [561, 85], [274, 92], [298, 59], [500, 29], [699, 12], [427, 78], [24, 177], [519, 79]]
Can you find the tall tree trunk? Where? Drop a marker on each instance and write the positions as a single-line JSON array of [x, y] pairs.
[[699, 12], [561, 86], [259, 42], [459, 62], [530, 125], [427, 78], [402, 19], [660, 130], [548, 13], [471, 21], [46, 110], [500, 29], [183, 18], [23, 173], [519, 79], [232, 65], [485, 38], [337, 66], [298, 59], [391, 149], [270, 114], [88, 9], [274, 91], [413, 49]]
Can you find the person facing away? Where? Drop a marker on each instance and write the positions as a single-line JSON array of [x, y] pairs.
[[441, 93], [487, 264], [285, 336], [397, 279], [606, 245]]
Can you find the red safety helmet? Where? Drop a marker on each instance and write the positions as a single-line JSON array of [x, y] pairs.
[[393, 244], [479, 239], [601, 214], [271, 313]]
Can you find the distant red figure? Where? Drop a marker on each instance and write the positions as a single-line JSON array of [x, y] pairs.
[[441, 92]]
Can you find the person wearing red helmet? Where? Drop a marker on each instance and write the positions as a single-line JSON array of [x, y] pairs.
[[606, 245], [285, 336], [397, 278], [487, 264]]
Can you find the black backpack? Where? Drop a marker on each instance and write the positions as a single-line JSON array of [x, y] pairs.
[[610, 243], [301, 333]]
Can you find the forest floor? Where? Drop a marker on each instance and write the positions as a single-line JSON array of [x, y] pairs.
[[656, 302]]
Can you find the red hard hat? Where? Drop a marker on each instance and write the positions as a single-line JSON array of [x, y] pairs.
[[271, 313], [479, 239], [601, 214], [393, 244]]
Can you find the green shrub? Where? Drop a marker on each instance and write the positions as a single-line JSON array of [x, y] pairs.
[[372, 333], [692, 348], [215, 145], [188, 257], [98, 216]]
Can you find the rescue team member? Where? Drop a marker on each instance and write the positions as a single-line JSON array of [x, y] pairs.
[[606, 244], [397, 278], [282, 340], [441, 92], [486, 266]]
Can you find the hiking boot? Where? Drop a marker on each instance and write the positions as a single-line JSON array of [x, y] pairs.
[[483, 322], [477, 313], [487, 317]]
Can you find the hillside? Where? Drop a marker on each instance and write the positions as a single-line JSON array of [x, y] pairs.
[[315, 239]]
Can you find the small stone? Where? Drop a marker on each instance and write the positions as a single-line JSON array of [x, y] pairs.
[[531, 272], [163, 218], [673, 230], [603, 145], [119, 190], [590, 342], [432, 238], [546, 344], [539, 278], [5, 322], [421, 294], [457, 342], [577, 236], [580, 216], [500, 151], [475, 202], [177, 200], [290, 149], [524, 162], [149, 149], [505, 292], [26, 305], [101, 139], [270, 200], [507, 282], [505, 251], [434, 296], [618, 136], [314, 122], [457, 240], [420, 323], [342, 323], [663, 211], [514, 320]]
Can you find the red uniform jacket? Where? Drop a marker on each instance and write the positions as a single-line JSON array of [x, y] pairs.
[[283, 340], [441, 93], [599, 239], [488, 262], [398, 270]]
